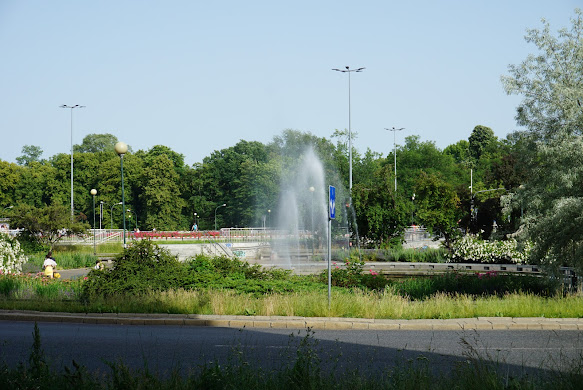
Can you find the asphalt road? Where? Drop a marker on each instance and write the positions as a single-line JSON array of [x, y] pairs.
[[163, 348]]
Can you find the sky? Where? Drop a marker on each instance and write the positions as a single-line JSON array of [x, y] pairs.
[[198, 76]]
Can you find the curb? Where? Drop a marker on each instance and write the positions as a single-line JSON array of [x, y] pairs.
[[280, 322]]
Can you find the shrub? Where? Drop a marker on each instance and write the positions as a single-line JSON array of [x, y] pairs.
[[470, 248], [142, 266], [11, 255]]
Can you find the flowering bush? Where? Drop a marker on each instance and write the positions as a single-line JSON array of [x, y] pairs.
[[11, 256], [473, 249]]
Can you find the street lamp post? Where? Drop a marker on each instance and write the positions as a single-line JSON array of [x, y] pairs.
[[100, 213], [269, 218], [394, 130], [223, 205], [111, 214], [312, 189], [348, 70], [121, 148], [94, 192], [71, 107]]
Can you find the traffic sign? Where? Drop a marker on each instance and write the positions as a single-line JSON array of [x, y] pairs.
[[332, 202]]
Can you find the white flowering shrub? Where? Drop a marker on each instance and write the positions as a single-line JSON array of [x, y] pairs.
[[11, 256], [471, 248]]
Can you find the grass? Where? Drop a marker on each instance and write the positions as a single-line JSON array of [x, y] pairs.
[[305, 368], [30, 293]]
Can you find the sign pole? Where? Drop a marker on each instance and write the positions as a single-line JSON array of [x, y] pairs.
[[331, 216]]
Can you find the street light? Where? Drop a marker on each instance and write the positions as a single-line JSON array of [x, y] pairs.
[[348, 70], [312, 189], [395, 150], [136, 215], [94, 192], [269, 218], [223, 205], [121, 148], [111, 214], [71, 107], [100, 213]]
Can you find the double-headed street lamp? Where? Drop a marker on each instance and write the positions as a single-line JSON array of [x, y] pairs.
[[223, 205], [394, 130], [121, 148], [71, 107], [348, 70]]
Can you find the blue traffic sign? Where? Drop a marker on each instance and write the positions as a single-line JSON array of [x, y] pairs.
[[332, 202]]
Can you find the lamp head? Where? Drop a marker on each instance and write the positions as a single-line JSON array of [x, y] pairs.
[[93, 192], [121, 148]]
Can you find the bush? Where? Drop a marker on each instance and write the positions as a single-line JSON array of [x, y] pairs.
[[471, 248], [141, 267], [11, 255]]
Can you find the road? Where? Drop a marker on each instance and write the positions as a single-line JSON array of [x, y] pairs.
[[164, 348]]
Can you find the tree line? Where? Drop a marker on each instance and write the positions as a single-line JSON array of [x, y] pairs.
[[163, 193]]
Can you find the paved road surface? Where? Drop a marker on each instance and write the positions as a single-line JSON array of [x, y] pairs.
[[163, 348]]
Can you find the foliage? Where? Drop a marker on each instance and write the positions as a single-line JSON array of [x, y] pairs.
[[436, 206], [142, 266], [11, 256], [491, 283], [471, 248], [96, 143], [46, 225], [30, 153], [550, 82], [64, 260]]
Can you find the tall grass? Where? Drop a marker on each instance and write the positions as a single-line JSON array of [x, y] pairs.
[[65, 260], [55, 295]]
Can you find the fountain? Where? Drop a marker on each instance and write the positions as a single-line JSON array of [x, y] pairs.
[[300, 237]]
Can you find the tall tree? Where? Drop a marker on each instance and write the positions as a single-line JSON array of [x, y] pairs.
[[161, 195], [30, 153], [551, 81], [551, 85], [94, 143]]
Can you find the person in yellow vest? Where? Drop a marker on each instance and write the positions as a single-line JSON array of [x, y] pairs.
[[49, 265]]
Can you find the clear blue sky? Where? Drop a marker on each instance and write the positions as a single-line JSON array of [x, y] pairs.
[[198, 76]]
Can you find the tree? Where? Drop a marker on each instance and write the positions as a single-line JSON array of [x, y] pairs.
[[480, 139], [30, 153], [161, 195], [551, 149], [46, 225], [436, 206], [95, 143], [551, 82]]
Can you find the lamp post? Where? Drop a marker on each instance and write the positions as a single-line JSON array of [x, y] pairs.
[[394, 130], [223, 205], [312, 189], [111, 214], [348, 70], [413, 210], [71, 107], [94, 192], [136, 215], [100, 213], [269, 218], [121, 148]]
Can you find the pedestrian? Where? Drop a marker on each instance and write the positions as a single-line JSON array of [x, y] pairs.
[[49, 265]]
